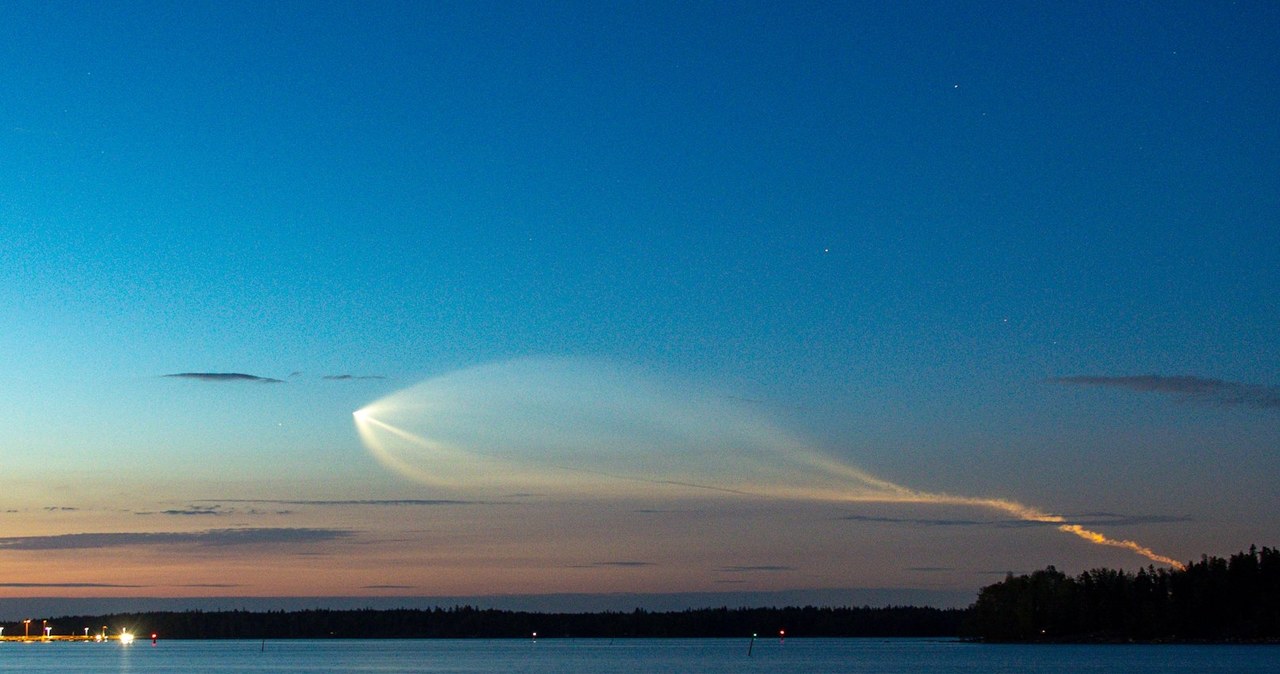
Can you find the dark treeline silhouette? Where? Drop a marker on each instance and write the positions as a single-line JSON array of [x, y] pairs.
[[1214, 599], [469, 622]]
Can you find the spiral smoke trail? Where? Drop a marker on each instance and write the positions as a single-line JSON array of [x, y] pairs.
[[586, 428]]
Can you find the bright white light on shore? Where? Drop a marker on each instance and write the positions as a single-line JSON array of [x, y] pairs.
[[125, 637]]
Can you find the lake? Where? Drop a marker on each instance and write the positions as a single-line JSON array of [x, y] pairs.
[[627, 656]]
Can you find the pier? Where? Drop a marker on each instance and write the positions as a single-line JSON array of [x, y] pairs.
[[46, 635]]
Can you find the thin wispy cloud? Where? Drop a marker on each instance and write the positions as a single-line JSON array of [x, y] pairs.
[[1191, 388], [224, 377], [191, 511], [618, 564], [759, 568], [66, 585], [929, 522], [1115, 520], [208, 538], [347, 502], [210, 511], [352, 377], [1089, 519]]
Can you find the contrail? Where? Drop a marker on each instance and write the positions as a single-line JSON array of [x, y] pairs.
[[532, 423]]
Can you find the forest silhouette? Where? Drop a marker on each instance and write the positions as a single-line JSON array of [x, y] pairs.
[[1214, 599]]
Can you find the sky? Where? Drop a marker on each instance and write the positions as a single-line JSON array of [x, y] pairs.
[[702, 302]]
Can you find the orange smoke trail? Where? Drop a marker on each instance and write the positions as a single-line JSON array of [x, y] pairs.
[[1029, 514], [1033, 515], [890, 492], [1095, 537]]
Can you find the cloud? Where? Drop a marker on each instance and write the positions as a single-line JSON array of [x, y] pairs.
[[225, 376], [353, 502], [1197, 389], [352, 377], [211, 511], [931, 522], [761, 568], [1114, 520], [208, 538], [191, 511], [1088, 519], [64, 585]]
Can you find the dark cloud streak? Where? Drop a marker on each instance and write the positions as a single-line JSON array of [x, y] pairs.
[[1114, 520], [189, 511], [1186, 387], [208, 538], [65, 585], [224, 376], [930, 522], [1087, 520], [353, 502]]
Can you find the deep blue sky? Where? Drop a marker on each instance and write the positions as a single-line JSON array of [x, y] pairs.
[[889, 226]]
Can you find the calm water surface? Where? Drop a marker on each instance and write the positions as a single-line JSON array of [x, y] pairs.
[[625, 656]]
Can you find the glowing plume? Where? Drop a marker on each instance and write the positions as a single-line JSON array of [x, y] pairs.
[[590, 429]]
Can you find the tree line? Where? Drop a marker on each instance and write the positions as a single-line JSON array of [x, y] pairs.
[[1214, 599], [470, 622]]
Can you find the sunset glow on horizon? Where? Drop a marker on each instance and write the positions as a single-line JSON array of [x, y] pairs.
[[689, 303]]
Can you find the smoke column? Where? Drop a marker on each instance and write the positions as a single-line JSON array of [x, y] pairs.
[[587, 428]]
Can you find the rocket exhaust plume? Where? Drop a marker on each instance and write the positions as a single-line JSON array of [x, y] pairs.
[[586, 428]]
